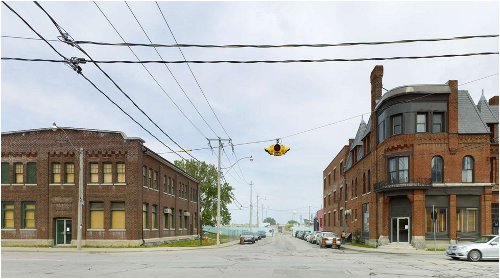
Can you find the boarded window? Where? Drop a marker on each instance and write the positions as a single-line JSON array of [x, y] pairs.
[[97, 215], [5, 173], [31, 172], [28, 215], [118, 215]]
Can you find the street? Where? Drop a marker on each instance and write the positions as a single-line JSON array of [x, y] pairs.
[[281, 256]]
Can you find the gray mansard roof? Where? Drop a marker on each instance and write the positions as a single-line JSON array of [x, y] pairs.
[[488, 113], [469, 116]]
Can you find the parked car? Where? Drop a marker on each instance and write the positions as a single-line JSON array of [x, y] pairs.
[[262, 234], [318, 238], [308, 237], [327, 239], [247, 237], [313, 237], [257, 236], [484, 247]]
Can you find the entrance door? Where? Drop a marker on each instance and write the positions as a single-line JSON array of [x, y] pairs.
[[400, 229], [63, 231]]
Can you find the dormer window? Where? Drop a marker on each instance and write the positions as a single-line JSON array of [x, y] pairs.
[[421, 122]]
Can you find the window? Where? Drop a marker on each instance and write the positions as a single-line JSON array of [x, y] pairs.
[[174, 182], [31, 172], [380, 132], [107, 173], [69, 173], [437, 169], [120, 172], [56, 173], [364, 183], [340, 195], [28, 221], [165, 189], [5, 173], [185, 219], [324, 183], [180, 220], [144, 176], [396, 124], [96, 215], [369, 185], [437, 123], [7, 215], [154, 217], [329, 199], [94, 173], [150, 177], [329, 179], [398, 170], [19, 173], [117, 215], [356, 187], [467, 219], [441, 220], [334, 197], [334, 174], [155, 180], [169, 185], [172, 218], [144, 216], [329, 218], [335, 218], [421, 122], [468, 169], [165, 218]]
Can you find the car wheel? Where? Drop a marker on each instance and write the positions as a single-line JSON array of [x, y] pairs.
[[455, 258], [474, 256], [338, 246]]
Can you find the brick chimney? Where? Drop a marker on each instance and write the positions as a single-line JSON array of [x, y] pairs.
[[493, 101], [453, 117], [376, 84]]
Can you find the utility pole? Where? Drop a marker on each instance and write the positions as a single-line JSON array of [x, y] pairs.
[[251, 206], [219, 140], [257, 210], [262, 212]]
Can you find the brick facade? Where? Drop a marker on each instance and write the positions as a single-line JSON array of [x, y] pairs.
[[58, 200], [398, 208]]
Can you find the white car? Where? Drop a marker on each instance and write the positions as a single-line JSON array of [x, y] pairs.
[[329, 239], [484, 247]]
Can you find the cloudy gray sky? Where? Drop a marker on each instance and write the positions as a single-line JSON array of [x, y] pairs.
[[253, 101]]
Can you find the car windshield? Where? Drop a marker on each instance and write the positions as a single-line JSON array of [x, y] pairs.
[[328, 234], [483, 239]]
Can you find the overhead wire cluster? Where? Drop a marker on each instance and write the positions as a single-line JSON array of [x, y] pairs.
[[75, 63]]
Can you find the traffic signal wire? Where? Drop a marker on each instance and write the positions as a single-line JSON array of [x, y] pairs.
[[151, 75], [345, 44], [66, 37], [79, 72], [324, 60], [169, 70]]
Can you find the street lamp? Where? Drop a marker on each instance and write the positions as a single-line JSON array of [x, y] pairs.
[[80, 188], [230, 167], [218, 189]]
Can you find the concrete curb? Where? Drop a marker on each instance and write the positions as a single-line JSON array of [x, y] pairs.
[[113, 250]]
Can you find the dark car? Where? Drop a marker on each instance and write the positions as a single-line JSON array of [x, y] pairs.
[[262, 234], [257, 236], [247, 237]]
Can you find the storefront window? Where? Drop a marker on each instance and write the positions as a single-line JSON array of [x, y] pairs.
[[467, 219], [441, 221]]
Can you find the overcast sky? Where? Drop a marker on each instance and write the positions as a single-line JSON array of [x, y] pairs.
[[253, 101]]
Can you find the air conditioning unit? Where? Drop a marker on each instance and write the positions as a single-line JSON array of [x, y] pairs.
[[347, 212], [167, 211], [187, 213]]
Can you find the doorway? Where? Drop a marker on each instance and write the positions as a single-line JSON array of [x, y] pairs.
[[400, 229], [63, 231]]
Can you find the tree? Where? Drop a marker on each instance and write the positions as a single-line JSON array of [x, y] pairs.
[[206, 174], [291, 222], [270, 221]]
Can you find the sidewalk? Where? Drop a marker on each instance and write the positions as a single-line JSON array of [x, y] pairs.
[[113, 250], [387, 251]]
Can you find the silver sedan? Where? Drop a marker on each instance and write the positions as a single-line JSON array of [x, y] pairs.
[[484, 247]]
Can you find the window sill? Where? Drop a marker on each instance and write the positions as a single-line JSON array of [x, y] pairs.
[[95, 230], [120, 184], [117, 230], [28, 229], [56, 184], [68, 184], [9, 229], [154, 230], [17, 184]]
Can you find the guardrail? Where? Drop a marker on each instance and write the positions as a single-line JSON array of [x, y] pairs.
[[419, 183]]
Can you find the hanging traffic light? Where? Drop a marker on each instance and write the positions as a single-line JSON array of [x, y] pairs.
[[277, 149]]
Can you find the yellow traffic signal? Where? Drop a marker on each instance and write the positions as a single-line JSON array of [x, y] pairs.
[[277, 149]]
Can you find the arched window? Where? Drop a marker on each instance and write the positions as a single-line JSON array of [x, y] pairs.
[[468, 169], [364, 183], [437, 169]]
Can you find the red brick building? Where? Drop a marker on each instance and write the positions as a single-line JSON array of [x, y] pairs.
[[424, 148], [131, 194]]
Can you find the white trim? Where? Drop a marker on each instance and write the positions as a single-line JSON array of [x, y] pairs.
[[479, 184]]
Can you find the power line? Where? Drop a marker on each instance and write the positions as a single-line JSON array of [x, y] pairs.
[[79, 72], [147, 70], [192, 73], [478, 79], [320, 45], [171, 73], [265, 61], [65, 36]]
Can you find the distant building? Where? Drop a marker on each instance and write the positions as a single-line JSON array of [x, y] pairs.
[[424, 147], [131, 194]]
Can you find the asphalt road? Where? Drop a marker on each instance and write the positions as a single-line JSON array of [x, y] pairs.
[[281, 256]]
